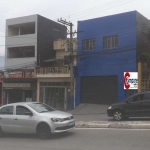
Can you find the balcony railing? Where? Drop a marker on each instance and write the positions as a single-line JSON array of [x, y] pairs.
[[53, 70]]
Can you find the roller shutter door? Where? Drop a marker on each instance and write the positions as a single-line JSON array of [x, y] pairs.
[[99, 89]]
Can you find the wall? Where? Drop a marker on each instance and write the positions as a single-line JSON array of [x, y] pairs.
[[101, 62], [20, 40], [143, 28], [2, 60], [46, 35]]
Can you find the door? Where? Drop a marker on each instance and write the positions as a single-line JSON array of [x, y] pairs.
[[24, 123], [134, 106], [99, 89], [7, 119], [55, 97]]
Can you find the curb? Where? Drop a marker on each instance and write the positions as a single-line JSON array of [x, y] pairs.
[[114, 125]]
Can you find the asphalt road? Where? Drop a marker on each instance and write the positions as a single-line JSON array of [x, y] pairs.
[[81, 139]]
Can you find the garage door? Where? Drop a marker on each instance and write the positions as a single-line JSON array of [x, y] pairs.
[[99, 89]]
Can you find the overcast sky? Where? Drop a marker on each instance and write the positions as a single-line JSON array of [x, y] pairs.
[[72, 10]]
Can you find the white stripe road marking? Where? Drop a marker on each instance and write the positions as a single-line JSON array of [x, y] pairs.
[[109, 129]]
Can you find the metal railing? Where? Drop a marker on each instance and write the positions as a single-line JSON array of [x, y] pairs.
[[53, 70]]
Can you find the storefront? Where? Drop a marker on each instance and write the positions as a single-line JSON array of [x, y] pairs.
[[55, 94], [19, 90]]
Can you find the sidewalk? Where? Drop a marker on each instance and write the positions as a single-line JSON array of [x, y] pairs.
[[95, 116], [114, 124]]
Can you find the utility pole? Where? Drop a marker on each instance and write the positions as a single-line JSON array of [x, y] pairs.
[[71, 58]]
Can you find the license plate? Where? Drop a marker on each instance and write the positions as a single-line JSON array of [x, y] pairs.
[[71, 123]]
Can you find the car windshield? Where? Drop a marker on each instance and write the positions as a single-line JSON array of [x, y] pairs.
[[41, 108]]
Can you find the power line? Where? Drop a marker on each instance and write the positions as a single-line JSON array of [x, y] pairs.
[[144, 28], [19, 65], [132, 29], [102, 52], [101, 10], [17, 36], [87, 10], [82, 12]]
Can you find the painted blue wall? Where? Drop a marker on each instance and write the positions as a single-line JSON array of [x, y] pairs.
[[101, 62]]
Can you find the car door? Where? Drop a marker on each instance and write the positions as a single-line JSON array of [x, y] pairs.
[[146, 104], [24, 123], [133, 107], [7, 119]]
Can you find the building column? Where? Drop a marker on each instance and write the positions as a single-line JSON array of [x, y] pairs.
[[139, 76], [38, 91]]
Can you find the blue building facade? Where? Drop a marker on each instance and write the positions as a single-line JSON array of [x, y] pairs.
[[106, 49]]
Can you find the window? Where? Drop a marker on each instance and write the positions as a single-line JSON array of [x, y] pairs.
[[137, 98], [21, 29], [40, 108], [147, 96], [88, 44], [110, 42], [21, 110], [21, 52], [8, 110]]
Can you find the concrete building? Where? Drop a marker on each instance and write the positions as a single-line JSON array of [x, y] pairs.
[[2, 60], [29, 43], [53, 82], [1, 84], [108, 47]]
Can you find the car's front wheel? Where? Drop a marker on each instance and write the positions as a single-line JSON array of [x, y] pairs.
[[43, 131], [118, 115]]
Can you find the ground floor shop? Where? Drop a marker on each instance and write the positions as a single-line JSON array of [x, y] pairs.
[[101, 90], [54, 92], [19, 90]]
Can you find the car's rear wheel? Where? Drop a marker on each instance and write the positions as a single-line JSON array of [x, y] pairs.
[[43, 131], [118, 115], [1, 132]]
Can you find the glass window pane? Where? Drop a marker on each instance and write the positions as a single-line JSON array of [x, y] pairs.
[[21, 110], [8, 110], [147, 96]]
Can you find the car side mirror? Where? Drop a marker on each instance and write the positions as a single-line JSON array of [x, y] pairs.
[[28, 114]]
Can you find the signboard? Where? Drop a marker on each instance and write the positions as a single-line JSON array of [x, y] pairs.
[[130, 80], [16, 85]]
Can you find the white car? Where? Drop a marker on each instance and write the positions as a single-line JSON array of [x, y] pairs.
[[34, 117]]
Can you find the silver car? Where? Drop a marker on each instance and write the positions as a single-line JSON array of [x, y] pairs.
[[34, 117]]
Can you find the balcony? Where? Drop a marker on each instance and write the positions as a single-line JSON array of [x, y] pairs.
[[54, 72], [65, 45]]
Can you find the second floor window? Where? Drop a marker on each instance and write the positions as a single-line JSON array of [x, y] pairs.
[[110, 42], [88, 44]]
